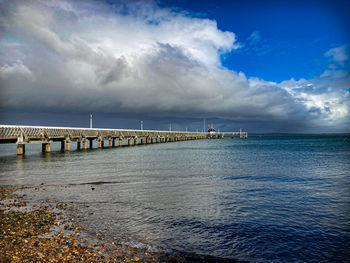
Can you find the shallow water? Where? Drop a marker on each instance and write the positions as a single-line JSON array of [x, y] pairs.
[[275, 198]]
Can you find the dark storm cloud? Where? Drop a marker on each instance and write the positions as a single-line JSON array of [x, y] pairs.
[[139, 58]]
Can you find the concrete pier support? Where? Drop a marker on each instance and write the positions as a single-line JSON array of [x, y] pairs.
[[135, 141], [130, 141], [21, 148], [84, 145], [100, 144], [45, 147], [110, 143], [148, 140], [120, 142], [78, 145], [91, 143], [67, 145]]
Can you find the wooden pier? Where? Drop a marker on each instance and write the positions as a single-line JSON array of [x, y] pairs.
[[85, 137]]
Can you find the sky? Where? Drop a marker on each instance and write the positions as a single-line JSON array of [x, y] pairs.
[[263, 66]]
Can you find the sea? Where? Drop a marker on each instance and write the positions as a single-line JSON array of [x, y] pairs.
[[269, 198]]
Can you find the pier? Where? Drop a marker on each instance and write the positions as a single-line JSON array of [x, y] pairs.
[[86, 137]]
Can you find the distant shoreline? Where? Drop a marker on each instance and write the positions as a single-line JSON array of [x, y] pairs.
[[299, 134]]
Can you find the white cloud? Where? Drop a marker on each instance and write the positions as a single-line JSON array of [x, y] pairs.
[[137, 57], [338, 54], [15, 70], [254, 37]]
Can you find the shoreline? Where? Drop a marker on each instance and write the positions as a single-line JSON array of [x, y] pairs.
[[46, 232]]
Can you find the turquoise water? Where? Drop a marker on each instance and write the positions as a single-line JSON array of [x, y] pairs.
[[274, 198]]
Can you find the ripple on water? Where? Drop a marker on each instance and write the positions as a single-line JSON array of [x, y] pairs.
[[275, 199]]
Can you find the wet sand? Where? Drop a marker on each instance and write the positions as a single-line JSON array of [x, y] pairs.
[[45, 232]]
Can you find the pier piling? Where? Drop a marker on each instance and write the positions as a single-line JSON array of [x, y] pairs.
[[91, 145], [45, 147], [21, 149], [67, 146]]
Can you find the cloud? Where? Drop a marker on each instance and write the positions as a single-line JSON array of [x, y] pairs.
[[254, 45], [338, 54], [254, 37], [137, 58], [15, 70]]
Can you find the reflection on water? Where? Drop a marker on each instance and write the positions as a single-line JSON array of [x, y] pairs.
[[262, 199], [20, 163], [46, 157]]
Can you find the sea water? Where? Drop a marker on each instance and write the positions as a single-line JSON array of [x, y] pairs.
[[262, 199]]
